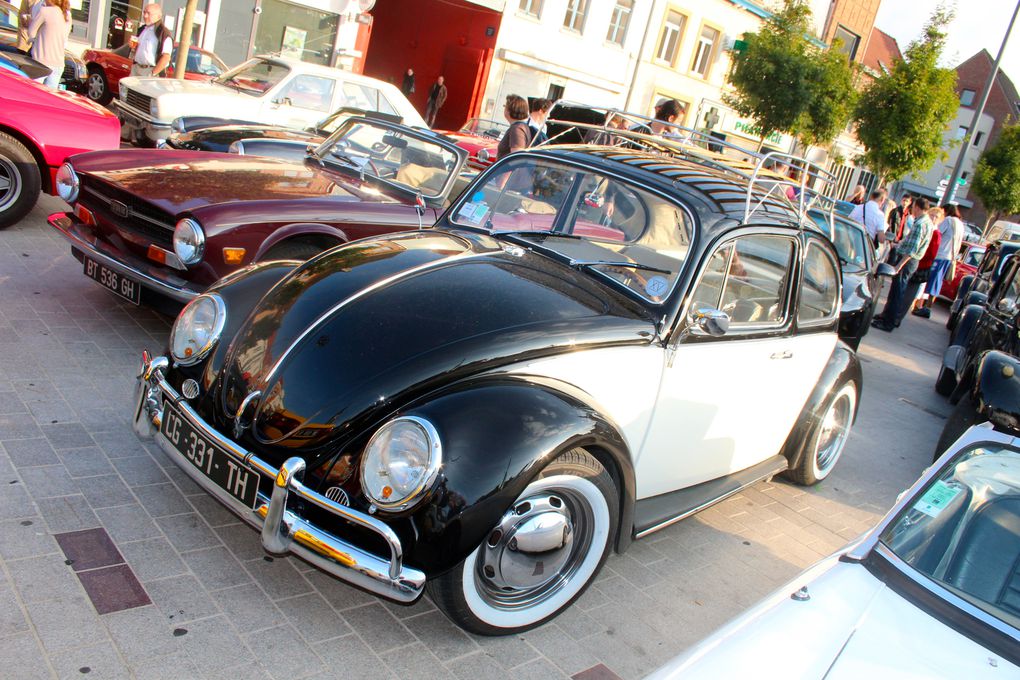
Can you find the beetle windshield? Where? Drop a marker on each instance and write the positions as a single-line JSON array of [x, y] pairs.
[[403, 160], [255, 77], [619, 230], [963, 530]]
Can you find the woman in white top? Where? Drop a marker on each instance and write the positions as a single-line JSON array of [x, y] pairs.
[[951, 229], [51, 24]]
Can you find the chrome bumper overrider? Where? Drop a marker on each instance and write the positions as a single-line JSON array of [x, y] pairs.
[[282, 530]]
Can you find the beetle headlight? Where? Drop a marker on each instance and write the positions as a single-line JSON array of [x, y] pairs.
[[483, 155], [154, 109], [401, 462], [67, 183], [178, 125], [197, 328], [189, 241]]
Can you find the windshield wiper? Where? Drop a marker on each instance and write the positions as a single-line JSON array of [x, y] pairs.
[[580, 264], [532, 233], [347, 162]]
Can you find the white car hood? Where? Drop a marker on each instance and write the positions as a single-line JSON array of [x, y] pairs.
[[193, 98], [852, 627]]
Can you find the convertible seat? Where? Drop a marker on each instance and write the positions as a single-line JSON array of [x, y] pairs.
[[986, 562], [428, 180]]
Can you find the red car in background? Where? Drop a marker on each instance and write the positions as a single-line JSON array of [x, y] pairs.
[[967, 261], [479, 137], [107, 67], [39, 128]]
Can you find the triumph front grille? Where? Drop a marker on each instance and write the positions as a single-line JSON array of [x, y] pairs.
[[137, 100], [127, 212]]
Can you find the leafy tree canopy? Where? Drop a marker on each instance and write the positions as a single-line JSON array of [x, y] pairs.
[[997, 176], [902, 116]]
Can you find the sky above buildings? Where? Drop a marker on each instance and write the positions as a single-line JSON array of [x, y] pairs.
[[978, 24]]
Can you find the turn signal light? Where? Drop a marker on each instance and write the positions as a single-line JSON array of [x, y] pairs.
[[157, 254], [85, 215], [233, 255]]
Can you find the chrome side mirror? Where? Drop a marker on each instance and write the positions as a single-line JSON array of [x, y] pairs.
[[885, 269], [1007, 306], [712, 322]]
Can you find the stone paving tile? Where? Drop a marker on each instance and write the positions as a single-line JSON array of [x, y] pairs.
[[354, 656], [141, 634], [249, 608], [128, 523], [48, 481], [187, 532], [18, 426], [216, 568], [176, 666], [89, 461], [23, 652], [67, 513], [213, 644], [243, 541], [96, 662], [415, 661], [67, 435], [139, 471], [283, 653], [113, 589], [30, 452], [181, 599], [162, 500], [213, 512], [278, 577], [439, 634], [15, 502], [377, 627], [567, 654], [105, 491], [508, 651], [313, 618], [477, 666], [38, 579], [539, 669], [152, 559], [12, 619], [65, 622], [25, 538]]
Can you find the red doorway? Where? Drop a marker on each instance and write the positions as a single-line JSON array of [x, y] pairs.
[[452, 38]]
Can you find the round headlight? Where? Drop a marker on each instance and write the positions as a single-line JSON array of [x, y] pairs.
[[189, 241], [123, 93], [236, 147], [178, 125], [483, 155], [154, 109], [197, 328], [67, 183], [401, 462]]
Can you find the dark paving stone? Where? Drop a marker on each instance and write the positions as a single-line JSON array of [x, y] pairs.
[[89, 549], [114, 589], [30, 452], [599, 672], [67, 435]]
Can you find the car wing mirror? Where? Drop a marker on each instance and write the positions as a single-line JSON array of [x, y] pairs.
[[1007, 306], [885, 269], [713, 322]]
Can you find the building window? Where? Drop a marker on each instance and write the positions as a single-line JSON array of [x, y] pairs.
[[964, 176], [704, 51], [967, 98], [977, 138], [619, 21], [669, 39], [533, 8], [574, 18], [961, 132], [849, 42]]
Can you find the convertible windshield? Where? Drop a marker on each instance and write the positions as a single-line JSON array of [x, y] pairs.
[[255, 77], [485, 128], [963, 530], [628, 234], [403, 160]]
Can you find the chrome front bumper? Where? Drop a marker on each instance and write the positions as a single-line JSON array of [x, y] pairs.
[[134, 123], [282, 530], [83, 240]]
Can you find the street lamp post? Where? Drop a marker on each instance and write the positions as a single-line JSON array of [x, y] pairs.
[[965, 145]]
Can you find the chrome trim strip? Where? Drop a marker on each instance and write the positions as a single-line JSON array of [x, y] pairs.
[[282, 530], [69, 229], [708, 504]]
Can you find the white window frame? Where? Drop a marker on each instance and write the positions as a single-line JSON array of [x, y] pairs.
[[531, 8], [575, 16], [704, 51], [669, 27], [619, 22]]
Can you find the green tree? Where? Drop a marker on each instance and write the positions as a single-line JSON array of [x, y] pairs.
[[997, 175], [786, 84], [902, 116]]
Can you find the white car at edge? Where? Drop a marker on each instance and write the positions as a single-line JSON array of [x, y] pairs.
[[931, 592], [267, 89]]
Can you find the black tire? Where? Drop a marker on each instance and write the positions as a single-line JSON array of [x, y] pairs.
[[480, 608], [964, 416], [20, 181], [97, 88], [292, 250], [831, 430], [946, 382]]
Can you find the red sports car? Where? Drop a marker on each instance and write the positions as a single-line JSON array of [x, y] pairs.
[[107, 67], [967, 261], [479, 137], [39, 128]]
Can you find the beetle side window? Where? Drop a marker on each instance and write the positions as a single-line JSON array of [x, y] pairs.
[[819, 286], [1011, 292], [309, 92]]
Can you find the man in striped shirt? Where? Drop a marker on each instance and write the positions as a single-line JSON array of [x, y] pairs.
[[910, 251]]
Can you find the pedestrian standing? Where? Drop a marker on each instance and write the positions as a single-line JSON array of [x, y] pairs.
[[536, 120], [518, 135], [911, 251], [153, 44], [437, 97], [871, 215], [951, 230], [898, 218], [29, 8], [48, 32], [918, 282], [859, 195], [407, 87]]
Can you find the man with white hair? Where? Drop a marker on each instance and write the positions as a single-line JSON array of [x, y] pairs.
[[154, 44]]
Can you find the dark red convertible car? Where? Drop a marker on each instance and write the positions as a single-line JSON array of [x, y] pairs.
[[107, 67], [158, 225]]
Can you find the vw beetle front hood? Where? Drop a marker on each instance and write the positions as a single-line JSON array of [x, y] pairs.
[[361, 329]]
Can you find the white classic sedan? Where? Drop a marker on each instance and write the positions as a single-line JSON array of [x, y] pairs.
[[266, 89], [932, 592]]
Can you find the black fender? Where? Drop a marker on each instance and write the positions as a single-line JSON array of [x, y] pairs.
[[975, 297], [843, 365], [969, 318], [996, 390], [498, 433], [965, 283]]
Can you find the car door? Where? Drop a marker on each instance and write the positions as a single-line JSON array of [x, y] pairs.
[[302, 101], [723, 402]]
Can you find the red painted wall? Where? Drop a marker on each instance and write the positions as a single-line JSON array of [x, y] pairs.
[[435, 37]]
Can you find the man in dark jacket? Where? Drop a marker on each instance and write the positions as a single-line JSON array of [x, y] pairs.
[[437, 97], [154, 44]]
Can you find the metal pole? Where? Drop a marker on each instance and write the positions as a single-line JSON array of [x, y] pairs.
[[184, 44], [950, 195], [640, 55]]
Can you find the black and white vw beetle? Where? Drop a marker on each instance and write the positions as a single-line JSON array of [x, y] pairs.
[[591, 344]]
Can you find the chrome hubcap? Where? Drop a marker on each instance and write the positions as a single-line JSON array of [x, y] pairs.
[[535, 549], [10, 183], [832, 436], [95, 86]]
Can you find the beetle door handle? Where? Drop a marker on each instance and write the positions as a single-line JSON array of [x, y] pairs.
[[785, 354]]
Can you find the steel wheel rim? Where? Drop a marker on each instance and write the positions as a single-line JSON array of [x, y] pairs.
[[10, 183], [96, 88], [832, 435], [498, 591]]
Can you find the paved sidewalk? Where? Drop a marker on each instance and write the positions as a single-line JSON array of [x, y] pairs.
[[107, 569]]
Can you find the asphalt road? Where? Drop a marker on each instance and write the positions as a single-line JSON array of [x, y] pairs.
[[193, 596]]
